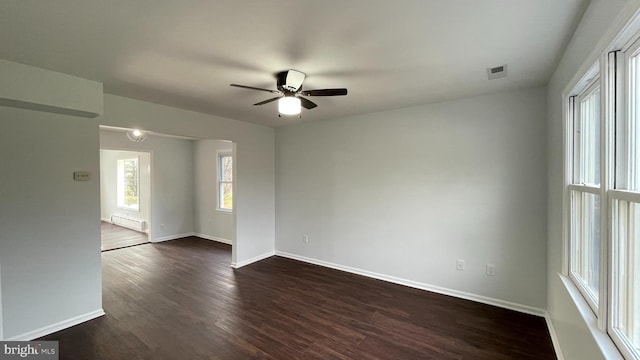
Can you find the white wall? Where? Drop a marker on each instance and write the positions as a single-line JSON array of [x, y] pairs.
[[210, 222], [109, 179], [589, 40], [254, 160], [49, 224], [405, 193], [172, 211]]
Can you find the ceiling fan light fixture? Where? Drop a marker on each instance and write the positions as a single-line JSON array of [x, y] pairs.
[[291, 98], [136, 135], [289, 105]]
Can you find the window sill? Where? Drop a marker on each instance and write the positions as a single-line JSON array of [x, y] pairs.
[[224, 211], [127, 209], [602, 339]]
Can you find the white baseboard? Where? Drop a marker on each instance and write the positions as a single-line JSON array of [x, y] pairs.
[[554, 336], [214, 238], [50, 329], [422, 286], [252, 260], [105, 220], [172, 237]]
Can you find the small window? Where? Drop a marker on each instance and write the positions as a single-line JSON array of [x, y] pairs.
[[127, 184], [225, 182]]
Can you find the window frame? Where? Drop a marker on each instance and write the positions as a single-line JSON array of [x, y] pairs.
[[220, 180], [591, 82]]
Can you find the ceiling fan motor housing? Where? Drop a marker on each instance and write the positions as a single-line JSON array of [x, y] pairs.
[[290, 81]]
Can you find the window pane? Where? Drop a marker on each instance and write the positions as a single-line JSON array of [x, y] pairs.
[[226, 196], [226, 168], [127, 183], [131, 182], [629, 162], [587, 140], [626, 277], [585, 241], [225, 187]]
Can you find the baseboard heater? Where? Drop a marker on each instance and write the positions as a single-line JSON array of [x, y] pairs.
[[128, 222]]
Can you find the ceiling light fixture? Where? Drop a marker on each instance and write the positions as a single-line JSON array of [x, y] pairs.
[[136, 135], [289, 105]]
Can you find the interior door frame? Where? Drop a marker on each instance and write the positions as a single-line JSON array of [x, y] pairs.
[[150, 200]]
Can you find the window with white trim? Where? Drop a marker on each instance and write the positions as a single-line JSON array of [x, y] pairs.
[[584, 192], [127, 184], [225, 182], [603, 194], [624, 324]]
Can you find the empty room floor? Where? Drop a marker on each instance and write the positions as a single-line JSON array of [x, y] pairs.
[[116, 237], [181, 300]]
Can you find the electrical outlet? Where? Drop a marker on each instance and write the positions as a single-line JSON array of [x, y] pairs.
[[491, 270], [460, 265], [305, 238]]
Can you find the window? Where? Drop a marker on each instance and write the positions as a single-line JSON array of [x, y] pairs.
[[584, 188], [225, 182], [624, 325], [603, 194], [127, 184]]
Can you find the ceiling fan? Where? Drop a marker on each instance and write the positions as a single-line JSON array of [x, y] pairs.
[[290, 94]]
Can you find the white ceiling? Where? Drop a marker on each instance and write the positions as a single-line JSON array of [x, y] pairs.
[[389, 54]]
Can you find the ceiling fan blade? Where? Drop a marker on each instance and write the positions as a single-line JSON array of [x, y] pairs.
[[324, 92], [255, 88], [267, 101], [306, 103]]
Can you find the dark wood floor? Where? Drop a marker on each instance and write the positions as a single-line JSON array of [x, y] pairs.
[[181, 300], [116, 237]]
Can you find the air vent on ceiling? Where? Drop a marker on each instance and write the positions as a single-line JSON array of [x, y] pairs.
[[497, 72]]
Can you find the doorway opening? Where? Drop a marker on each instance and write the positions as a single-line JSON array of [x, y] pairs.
[[125, 198], [191, 189]]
